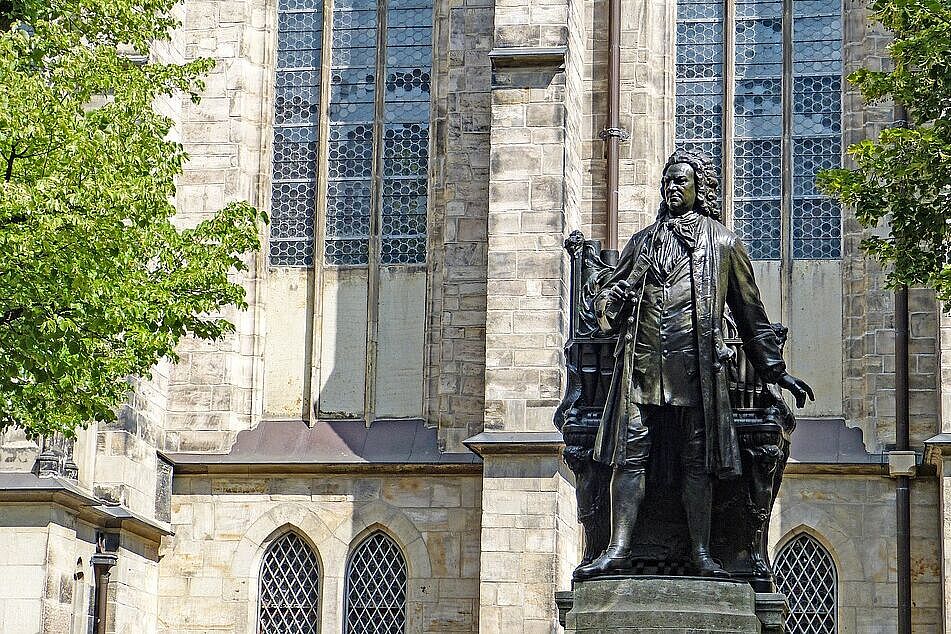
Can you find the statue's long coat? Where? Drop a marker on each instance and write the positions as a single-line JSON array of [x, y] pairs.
[[722, 276]]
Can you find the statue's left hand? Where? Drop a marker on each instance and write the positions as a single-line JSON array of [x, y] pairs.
[[797, 387]]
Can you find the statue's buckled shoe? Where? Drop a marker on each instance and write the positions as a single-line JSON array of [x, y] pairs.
[[707, 567], [607, 564]]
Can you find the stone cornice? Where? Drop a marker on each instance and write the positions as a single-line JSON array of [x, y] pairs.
[[28, 488], [508, 442], [528, 56], [210, 468]]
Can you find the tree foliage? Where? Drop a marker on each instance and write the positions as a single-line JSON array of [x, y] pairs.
[[902, 181], [96, 282]]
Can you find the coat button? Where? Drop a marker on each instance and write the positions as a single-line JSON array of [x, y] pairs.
[[630, 320], [628, 337]]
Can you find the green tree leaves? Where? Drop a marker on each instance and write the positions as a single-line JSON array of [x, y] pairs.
[[96, 282], [902, 181]]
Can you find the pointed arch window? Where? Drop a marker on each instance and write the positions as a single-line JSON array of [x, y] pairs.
[[805, 573], [290, 588], [376, 588]]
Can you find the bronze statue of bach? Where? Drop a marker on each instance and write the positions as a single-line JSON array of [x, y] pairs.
[[666, 298]]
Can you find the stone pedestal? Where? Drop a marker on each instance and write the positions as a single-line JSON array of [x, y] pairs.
[[673, 605]]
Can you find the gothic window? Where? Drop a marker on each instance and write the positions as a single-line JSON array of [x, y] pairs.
[[376, 588], [290, 588], [806, 574], [377, 148], [761, 95]]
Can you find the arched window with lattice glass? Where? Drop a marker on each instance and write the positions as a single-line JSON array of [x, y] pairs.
[[290, 588], [805, 573], [376, 588]]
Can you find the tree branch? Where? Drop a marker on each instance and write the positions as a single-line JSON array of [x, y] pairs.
[[13, 156]]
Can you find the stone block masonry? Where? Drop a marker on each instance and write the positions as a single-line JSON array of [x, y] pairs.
[[210, 569]]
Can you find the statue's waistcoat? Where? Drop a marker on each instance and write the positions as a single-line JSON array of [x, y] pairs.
[[663, 359]]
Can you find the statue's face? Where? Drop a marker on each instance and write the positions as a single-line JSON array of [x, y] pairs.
[[680, 189]]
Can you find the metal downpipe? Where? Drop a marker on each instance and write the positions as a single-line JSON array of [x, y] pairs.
[[902, 441], [612, 134], [903, 483]]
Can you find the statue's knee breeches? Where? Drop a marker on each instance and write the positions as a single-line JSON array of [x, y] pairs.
[[695, 443], [637, 446]]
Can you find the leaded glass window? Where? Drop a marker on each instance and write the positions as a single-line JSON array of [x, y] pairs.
[[700, 77], [378, 132], [406, 130], [805, 573], [816, 125], [296, 114], [783, 86], [290, 588], [376, 588]]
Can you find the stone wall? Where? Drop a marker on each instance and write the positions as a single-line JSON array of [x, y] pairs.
[[209, 572], [944, 372], [868, 310], [530, 542], [854, 518], [47, 580], [17, 452], [647, 110], [527, 267], [201, 402], [209, 391], [460, 193]]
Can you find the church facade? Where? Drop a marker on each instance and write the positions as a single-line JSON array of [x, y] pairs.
[[373, 448]]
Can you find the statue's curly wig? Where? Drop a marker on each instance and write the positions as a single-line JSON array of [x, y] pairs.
[[705, 179]]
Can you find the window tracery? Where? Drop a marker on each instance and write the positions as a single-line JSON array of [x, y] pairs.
[[805, 573], [376, 588], [289, 600]]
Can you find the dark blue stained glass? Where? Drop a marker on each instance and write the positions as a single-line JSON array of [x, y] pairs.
[[406, 109], [816, 126], [758, 128], [352, 112], [296, 115], [699, 76], [699, 10], [291, 5], [403, 152], [816, 7], [754, 9], [420, 16]]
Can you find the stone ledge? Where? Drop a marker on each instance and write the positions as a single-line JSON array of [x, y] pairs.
[[340, 446], [27, 487], [516, 442], [528, 56], [771, 610]]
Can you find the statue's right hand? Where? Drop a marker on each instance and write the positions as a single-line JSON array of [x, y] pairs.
[[619, 292]]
